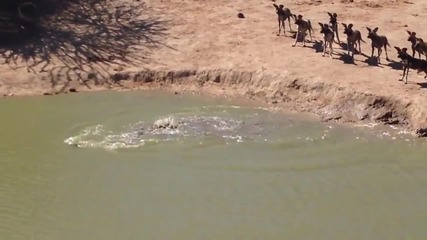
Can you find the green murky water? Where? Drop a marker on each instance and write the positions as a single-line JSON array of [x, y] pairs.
[[92, 167]]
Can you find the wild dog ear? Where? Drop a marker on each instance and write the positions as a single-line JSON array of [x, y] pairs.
[[335, 15], [409, 32], [414, 34], [375, 30], [397, 48], [330, 14], [350, 25], [404, 49], [369, 30], [320, 24], [344, 25]]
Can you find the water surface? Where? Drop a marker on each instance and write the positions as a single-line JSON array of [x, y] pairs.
[[90, 166]]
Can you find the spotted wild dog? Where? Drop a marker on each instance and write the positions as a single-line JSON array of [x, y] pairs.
[[378, 42], [417, 44], [422, 46], [328, 38], [354, 37], [410, 62], [283, 14], [303, 27], [333, 23]]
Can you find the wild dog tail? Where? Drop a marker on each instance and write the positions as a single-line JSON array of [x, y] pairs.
[[360, 38], [387, 43], [310, 27]]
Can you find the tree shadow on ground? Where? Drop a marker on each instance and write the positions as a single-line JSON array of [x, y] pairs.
[[80, 39]]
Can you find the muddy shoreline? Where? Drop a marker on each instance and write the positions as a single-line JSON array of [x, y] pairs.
[[329, 102]]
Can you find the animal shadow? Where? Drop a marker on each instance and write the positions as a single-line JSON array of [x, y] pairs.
[[372, 61], [290, 34], [422, 85], [318, 46], [347, 59], [395, 65], [344, 46]]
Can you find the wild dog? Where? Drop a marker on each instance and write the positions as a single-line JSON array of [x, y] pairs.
[[417, 44], [303, 27], [410, 62], [422, 46], [378, 42], [328, 38], [283, 14], [353, 39], [413, 39], [333, 23]]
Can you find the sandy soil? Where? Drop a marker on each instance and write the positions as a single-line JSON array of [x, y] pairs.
[[206, 35]]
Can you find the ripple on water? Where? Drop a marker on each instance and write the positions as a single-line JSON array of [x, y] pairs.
[[217, 125], [140, 134]]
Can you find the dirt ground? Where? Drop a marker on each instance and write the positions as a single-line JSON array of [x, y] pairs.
[[209, 35]]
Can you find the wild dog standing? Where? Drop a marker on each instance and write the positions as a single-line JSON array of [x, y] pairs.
[[283, 14], [421, 46], [413, 39], [378, 42], [303, 27], [353, 38], [328, 38], [410, 62], [333, 22]]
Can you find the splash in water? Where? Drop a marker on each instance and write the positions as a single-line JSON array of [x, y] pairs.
[[171, 128]]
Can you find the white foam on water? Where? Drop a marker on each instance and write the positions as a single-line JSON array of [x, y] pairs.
[[196, 125], [367, 125], [170, 128]]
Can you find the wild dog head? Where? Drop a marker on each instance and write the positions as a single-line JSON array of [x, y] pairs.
[[412, 37], [298, 19], [401, 53], [348, 29], [324, 28], [372, 34], [333, 18]]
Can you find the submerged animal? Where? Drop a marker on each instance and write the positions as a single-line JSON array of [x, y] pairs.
[[168, 122]]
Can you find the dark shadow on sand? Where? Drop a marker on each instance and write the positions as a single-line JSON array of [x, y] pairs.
[[422, 85], [346, 59], [343, 46], [81, 38], [373, 62], [395, 65], [317, 46]]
